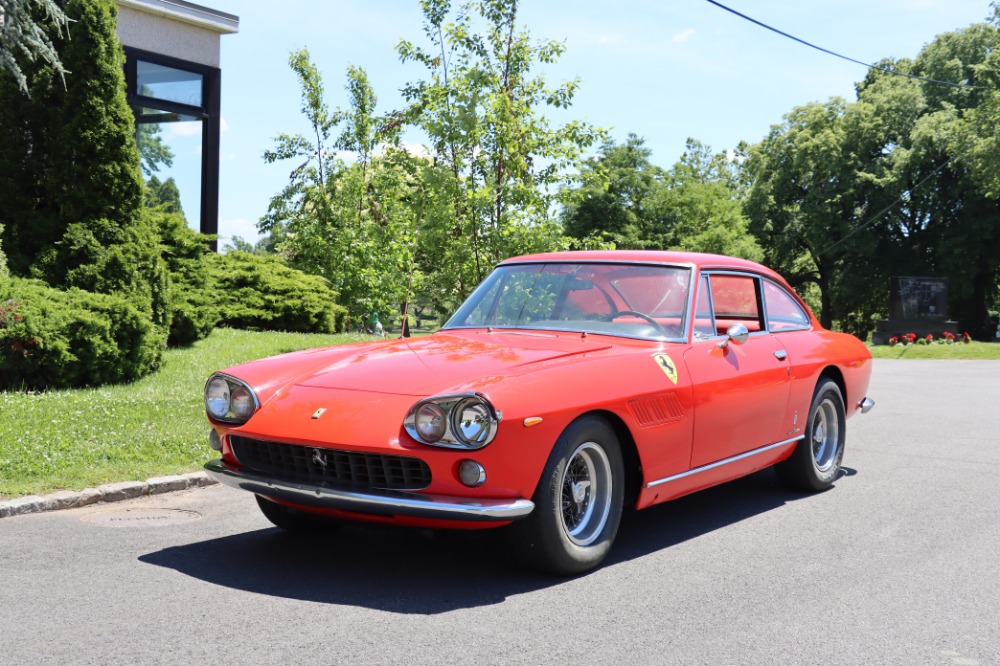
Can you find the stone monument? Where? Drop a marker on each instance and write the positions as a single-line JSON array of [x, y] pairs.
[[917, 305]]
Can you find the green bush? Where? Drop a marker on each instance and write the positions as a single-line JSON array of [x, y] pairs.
[[72, 186], [61, 339], [261, 293], [193, 313]]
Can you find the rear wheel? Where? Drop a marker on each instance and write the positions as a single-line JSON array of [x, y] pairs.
[[816, 461], [578, 503], [292, 520]]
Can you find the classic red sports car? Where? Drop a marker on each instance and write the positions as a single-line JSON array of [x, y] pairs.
[[568, 386]]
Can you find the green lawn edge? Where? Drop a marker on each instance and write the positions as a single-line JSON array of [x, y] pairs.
[[972, 351], [83, 438]]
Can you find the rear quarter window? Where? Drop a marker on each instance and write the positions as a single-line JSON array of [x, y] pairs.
[[783, 311]]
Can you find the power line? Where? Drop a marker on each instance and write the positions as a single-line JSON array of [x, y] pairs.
[[900, 199], [885, 70]]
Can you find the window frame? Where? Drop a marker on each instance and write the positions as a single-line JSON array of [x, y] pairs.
[[209, 113], [758, 296]]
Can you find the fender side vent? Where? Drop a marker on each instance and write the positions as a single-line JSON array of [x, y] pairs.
[[656, 410]]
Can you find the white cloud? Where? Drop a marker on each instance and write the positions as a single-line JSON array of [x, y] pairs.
[[683, 36], [416, 149], [612, 39], [245, 229], [184, 129]]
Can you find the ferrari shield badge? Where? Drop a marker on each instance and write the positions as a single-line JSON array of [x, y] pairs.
[[667, 365]]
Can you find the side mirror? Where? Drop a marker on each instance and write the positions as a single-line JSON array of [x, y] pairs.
[[738, 333]]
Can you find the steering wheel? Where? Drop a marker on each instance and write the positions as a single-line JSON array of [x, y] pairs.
[[645, 317]]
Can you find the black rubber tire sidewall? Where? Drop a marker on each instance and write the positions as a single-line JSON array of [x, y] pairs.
[[539, 540], [800, 470]]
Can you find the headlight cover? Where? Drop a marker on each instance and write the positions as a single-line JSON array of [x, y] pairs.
[[462, 421], [229, 400]]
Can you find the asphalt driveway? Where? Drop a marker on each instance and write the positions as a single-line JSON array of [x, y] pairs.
[[898, 564]]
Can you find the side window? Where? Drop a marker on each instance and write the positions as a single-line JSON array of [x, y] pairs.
[[783, 312], [735, 300]]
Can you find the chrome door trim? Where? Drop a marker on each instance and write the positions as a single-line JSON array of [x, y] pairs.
[[720, 463]]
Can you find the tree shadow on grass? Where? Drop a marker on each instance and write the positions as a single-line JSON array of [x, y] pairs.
[[411, 571]]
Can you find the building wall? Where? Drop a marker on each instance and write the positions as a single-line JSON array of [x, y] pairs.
[[168, 36]]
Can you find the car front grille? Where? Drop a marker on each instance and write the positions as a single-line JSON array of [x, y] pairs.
[[348, 470]]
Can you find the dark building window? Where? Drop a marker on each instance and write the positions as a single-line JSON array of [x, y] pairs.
[[176, 107]]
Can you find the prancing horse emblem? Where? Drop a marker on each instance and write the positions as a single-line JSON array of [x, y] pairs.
[[319, 458], [666, 364]]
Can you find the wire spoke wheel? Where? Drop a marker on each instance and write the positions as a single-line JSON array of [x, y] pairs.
[[586, 493], [578, 502]]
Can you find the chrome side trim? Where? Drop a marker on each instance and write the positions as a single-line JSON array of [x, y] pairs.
[[865, 405], [378, 502], [705, 468]]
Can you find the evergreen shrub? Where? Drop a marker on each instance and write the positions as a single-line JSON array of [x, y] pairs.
[[53, 339], [187, 255], [261, 293]]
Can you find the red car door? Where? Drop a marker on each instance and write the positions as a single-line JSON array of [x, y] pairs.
[[740, 390]]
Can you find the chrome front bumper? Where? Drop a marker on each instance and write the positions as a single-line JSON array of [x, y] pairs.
[[376, 502], [865, 405]]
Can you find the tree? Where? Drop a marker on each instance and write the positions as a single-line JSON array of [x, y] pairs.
[[350, 223], [699, 209], [804, 199], [901, 182], [25, 27], [164, 195], [695, 206], [946, 219], [152, 150], [72, 188], [614, 188], [497, 161]]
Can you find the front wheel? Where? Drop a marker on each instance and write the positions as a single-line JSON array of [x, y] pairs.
[[578, 503], [815, 463], [291, 520]]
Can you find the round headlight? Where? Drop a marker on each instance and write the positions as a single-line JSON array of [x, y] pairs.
[[471, 423], [430, 422], [217, 397], [242, 403]]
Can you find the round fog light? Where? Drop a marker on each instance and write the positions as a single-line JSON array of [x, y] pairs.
[[471, 473], [215, 441]]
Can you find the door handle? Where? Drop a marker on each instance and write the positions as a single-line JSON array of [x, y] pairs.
[[781, 354]]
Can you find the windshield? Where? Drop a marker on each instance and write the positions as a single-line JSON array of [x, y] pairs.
[[631, 300]]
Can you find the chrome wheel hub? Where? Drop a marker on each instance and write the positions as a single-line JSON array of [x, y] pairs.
[[826, 435]]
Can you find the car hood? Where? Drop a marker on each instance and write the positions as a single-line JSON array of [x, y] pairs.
[[465, 360]]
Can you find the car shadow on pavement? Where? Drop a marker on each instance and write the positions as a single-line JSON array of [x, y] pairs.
[[414, 571]]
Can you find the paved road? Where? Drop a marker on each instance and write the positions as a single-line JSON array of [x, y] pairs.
[[898, 564]]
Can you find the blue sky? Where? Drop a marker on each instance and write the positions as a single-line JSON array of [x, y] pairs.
[[665, 70]]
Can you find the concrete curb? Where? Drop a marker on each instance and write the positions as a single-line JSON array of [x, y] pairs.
[[112, 492]]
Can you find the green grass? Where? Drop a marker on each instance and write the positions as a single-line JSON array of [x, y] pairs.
[[75, 439], [957, 351]]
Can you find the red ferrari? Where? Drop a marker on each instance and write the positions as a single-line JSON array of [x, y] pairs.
[[567, 387]]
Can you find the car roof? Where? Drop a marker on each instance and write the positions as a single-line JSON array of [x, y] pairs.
[[698, 259]]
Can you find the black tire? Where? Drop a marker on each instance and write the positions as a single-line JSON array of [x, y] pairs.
[[292, 520], [578, 502], [815, 463]]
